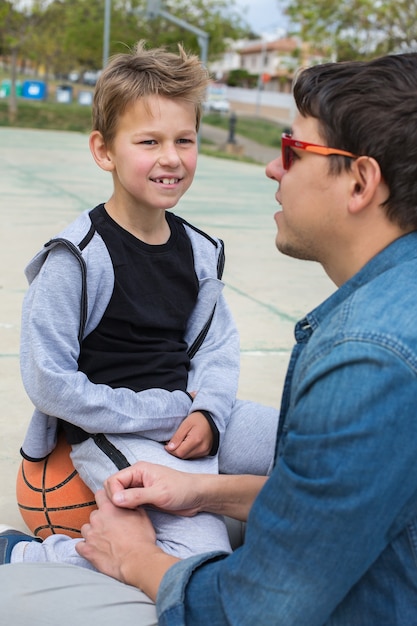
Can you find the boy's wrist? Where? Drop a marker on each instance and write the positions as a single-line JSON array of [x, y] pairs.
[[214, 430]]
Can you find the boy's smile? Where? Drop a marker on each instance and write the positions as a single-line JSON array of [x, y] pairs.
[[167, 181]]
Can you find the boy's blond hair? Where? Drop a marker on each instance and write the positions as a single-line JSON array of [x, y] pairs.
[[144, 72]]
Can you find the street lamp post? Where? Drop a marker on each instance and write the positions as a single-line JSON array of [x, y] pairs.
[[153, 10], [260, 77], [106, 32]]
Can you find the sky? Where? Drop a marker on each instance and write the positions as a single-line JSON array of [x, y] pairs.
[[262, 15]]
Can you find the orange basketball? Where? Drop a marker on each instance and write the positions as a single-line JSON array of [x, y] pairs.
[[51, 496]]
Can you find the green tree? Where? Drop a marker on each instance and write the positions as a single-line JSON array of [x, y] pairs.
[[355, 29], [61, 35], [17, 22], [242, 78], [70, 32], [44, 46], [220, 19]]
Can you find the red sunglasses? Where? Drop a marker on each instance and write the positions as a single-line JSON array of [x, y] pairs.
[[288, 143]]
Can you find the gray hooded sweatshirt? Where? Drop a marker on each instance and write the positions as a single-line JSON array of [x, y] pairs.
[[71, 282]]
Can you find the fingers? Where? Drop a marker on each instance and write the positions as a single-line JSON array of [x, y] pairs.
[[113, 535], [133, 497], [136, 486], [185, 449], [193, 438], [101, 498], [131, 477], [178, 437], [159, 486]]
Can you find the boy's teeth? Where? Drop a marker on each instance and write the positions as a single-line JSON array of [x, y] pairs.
[[168, 181]]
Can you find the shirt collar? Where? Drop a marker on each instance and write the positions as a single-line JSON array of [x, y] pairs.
[[399, 251]]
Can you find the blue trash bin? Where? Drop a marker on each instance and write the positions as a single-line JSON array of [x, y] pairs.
[[34, 90]]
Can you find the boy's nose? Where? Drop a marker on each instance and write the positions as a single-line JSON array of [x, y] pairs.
[[169, 154]]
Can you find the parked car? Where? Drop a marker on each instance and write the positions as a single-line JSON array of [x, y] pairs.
[[90, 77], [217, 98], [220, 106], [74, 76]]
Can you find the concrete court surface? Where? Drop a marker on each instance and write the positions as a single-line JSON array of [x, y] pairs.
[[47, 178]]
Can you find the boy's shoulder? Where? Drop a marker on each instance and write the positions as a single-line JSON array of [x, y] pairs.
[[205, 247], [214, 241], [74, 238], [77, 230]]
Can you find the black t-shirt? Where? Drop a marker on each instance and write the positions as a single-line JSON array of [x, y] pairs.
[[139, 343]]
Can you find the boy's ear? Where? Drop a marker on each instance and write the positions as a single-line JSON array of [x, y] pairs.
[[366, 185], [99, 151]]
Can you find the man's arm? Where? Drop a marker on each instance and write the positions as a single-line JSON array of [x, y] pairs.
[[181, 493]]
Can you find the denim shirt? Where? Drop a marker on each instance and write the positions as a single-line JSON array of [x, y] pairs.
[[332, 537]]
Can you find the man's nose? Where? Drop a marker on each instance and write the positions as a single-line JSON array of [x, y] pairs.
[[275, 169]]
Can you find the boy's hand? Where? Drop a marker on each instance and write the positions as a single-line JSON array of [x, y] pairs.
[[193, 439]]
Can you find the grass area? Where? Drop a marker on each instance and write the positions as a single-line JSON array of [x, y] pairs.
[[209, 150], [77, 117], [48, 116], [260, 130]]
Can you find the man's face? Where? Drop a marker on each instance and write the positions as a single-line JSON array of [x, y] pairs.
[[310, 199]]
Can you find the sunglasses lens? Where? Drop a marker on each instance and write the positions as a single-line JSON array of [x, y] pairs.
[[286, 157]]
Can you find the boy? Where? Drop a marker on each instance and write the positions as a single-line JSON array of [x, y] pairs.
[[128, 346]]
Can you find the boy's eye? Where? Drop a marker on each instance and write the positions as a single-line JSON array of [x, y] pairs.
[[148, 142], [184, 141]]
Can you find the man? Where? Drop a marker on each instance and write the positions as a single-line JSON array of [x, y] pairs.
[[332, 533]]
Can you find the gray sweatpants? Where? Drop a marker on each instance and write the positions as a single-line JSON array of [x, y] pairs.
[[247, 448], [46, 594]]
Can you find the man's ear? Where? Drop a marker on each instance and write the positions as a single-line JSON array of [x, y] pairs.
[[101, 154], [366, 185]]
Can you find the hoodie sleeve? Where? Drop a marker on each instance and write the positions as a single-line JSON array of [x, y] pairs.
[[214, 373]]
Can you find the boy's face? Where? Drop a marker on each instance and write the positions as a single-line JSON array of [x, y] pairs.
[[154, 153]]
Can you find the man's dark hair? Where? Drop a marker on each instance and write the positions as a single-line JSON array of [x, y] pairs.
[[369, 108]]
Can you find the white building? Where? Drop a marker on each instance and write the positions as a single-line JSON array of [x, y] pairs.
[[273, 62]]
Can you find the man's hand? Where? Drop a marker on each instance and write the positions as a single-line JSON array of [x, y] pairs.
[[121, 543], [193, 439], [182, 493], [112, 534], [163, 488]]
